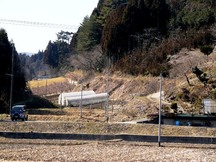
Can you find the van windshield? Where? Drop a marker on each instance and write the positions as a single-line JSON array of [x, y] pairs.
[[17, 108]]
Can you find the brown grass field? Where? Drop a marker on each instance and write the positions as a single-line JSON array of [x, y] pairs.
[[68, 121]]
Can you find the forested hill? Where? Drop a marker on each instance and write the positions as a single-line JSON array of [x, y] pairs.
[[140, 35]]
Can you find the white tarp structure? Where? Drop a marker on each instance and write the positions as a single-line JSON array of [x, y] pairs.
[[62, 97], [82, 97], [86, 100]]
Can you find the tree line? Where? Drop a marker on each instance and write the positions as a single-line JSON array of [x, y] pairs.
[[132, 32]]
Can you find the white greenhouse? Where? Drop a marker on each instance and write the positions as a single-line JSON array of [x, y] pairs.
[[62, 97], [84, 98]]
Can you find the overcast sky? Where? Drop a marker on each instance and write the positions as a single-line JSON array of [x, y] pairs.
[[32, 39]]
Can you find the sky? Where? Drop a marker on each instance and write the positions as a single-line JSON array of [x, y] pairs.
[[31, 39]]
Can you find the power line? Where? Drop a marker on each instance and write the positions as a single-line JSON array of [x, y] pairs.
[[37, 24]]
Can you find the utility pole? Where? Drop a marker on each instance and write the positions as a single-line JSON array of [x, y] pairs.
[[159, 114], [107, 90], [12, 76]]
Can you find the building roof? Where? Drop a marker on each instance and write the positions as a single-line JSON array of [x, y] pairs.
[[189, 116]]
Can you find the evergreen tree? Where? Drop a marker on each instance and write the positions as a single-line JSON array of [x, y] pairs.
[[88, 34], [51, 55], [7, 50], [63, 52], [64, 36], [56, 53]]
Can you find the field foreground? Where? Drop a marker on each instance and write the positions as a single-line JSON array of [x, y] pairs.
[[70, 150], [65, 121]]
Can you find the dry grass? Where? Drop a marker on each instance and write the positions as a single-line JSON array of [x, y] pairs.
[[106, 128], [44, 82]]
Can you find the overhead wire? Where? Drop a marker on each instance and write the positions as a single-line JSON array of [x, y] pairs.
[[37, 24]]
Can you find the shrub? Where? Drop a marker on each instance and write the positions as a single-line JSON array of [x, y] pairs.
[[207, 50], [174, 107]]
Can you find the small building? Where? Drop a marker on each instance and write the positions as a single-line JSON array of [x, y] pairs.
[[190, 120], [209, 106], [207, 118]]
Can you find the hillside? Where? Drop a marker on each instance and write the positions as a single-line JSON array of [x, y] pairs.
[[134, 97]]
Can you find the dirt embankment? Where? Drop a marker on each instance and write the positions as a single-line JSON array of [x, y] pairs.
[[129, 92]]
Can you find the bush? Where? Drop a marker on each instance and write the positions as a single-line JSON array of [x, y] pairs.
[[174, 107], [207, 50]]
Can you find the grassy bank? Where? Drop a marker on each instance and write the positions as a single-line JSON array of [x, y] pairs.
[[106, 128]]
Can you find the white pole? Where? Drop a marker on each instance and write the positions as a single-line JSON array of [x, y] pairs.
[[81, 101], [159, 119], [62, 99]]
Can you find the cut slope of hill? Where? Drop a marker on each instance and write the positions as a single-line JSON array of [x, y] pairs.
[[129, 92]]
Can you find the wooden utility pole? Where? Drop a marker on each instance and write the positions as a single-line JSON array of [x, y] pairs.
[[12, 77], [107, 89]]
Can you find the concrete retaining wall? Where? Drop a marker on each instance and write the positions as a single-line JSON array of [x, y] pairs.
[[126, 137]]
